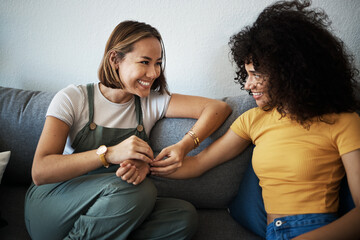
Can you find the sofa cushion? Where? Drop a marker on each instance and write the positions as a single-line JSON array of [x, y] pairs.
[[22, 116], [217, 187], [12, 210], [217, 224]]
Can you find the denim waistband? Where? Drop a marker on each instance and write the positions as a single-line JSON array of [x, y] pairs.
[[294, 225]]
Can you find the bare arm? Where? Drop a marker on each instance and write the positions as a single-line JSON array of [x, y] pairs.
[[225, 148], [346, 227], [50, 165], [210, 114]]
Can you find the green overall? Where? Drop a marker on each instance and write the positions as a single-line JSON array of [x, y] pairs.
[[99, 205]]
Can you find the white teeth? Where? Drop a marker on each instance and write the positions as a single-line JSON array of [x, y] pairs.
[[256, 94], [144, 83]]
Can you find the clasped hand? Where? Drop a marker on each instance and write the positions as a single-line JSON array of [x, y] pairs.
[[136, 160]]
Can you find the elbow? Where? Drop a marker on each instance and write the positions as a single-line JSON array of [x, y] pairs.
[[37, 175], [36, 178], [357, 203], [227, 109], [224, 109], [36, 183]]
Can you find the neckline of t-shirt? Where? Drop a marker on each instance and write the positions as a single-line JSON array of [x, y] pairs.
[[97, 88]]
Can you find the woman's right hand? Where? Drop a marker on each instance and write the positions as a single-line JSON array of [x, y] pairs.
[[133, 171], [131, 148]]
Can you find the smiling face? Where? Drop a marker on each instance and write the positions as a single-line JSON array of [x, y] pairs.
[[141, 67], [257, 85]]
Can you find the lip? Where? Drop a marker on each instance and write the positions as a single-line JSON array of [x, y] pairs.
[[257, 95], [144, 84]]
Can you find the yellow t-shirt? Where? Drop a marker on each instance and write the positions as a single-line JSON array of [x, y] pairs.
[[299, 169]]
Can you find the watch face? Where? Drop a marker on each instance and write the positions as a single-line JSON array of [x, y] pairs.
[[101, 150]]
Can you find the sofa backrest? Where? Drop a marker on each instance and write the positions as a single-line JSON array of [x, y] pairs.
[[22, 116]]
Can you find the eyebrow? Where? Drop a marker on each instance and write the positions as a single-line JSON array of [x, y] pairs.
[[149, 58], [254, 71]]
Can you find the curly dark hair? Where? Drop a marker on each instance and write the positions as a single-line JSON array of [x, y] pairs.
[[308, 68]]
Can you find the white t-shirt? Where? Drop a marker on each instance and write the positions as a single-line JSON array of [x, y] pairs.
[[71, 106]]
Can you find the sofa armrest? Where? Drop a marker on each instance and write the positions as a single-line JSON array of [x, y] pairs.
[[22, 116]]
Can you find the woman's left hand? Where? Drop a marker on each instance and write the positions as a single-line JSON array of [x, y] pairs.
[[168, 160], [133, 171]]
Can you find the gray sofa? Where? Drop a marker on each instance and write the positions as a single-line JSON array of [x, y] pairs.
[[22, 115]]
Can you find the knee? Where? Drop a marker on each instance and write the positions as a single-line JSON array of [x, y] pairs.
[[189, 219], [142, 202], [147, 193], [139, 197], [126, 204], [183, 215], [148, 188]]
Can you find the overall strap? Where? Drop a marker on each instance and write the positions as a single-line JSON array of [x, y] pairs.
[[81, 135], [90, 92], [140, 129], [138, 110]]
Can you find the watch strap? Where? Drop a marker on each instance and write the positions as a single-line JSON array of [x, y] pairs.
[[103, 160]]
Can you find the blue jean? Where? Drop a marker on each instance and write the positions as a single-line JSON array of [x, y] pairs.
[[292, 226], [247, 208]]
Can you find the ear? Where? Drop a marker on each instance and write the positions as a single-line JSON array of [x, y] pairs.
[[114, 59]]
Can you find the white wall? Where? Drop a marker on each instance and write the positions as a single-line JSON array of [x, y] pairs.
[[49, 44]]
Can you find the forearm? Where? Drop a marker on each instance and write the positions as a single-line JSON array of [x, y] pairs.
[[57, 167], [50, 165], [210, 119], [346, 227], [190, 168], [213, 115], [225, 148]]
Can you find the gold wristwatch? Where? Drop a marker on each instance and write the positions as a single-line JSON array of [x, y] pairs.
[[101, 151]]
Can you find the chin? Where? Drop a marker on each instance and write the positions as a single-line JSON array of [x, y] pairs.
[[261, 104], [143, 94]]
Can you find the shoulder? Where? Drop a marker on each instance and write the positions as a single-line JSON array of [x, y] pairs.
[[342, 119], [254, 114], [71, 97], [343, 124], [155, 105], [349, 117], [345, 131], [157, 95], [68, 102], [253, 118], [248, 117], [72, 92]]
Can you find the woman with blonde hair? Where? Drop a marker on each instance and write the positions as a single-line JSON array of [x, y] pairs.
[[79, 190]]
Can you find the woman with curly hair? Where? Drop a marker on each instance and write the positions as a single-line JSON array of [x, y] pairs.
[[305, 129]]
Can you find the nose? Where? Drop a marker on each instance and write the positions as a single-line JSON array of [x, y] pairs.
[[249, 84], [153, 72]]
